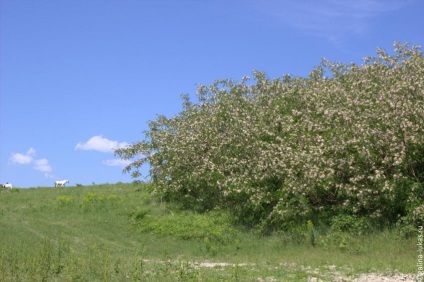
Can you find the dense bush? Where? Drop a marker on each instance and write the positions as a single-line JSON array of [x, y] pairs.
[[347, 140]]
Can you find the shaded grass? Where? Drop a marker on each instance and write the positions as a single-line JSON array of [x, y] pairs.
[[120, 233]]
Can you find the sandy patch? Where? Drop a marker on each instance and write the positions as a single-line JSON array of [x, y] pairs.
[[375, 277], [332, 272]]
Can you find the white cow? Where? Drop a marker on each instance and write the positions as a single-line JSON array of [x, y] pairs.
[[60, 183], [7, 186]]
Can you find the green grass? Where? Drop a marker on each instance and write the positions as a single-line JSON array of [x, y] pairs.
[[120, 233]]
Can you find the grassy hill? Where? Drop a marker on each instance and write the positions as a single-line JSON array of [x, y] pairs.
[[119, 232]]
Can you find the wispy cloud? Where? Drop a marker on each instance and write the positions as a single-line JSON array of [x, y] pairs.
[[329, 18], [116, 162], [43, 166], [101, 144], [28, 158]]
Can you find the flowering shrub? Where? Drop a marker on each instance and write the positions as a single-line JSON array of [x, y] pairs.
[[348, 139]]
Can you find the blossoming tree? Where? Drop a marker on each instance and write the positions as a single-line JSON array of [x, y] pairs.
[[347, 139]]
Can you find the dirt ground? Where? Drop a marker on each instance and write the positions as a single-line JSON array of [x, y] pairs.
[[331, 273], [375, 277]]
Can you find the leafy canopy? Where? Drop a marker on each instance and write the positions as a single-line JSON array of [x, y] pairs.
[[348, 139]]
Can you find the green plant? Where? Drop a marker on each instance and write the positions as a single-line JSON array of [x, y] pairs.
[[64, 200], [312, 233], [350, 224], [275, 152], [99, 201], [339, 240]]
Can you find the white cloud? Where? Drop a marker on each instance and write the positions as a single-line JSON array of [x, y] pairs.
[[23, 159], [29, 158], [115, 162], [101, 144], [42, 165], [329, 18]]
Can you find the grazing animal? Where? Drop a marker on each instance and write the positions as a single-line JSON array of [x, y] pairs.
[[60, 183], [7, 186]]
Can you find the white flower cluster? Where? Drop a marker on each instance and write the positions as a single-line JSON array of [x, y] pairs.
[[346, 138]]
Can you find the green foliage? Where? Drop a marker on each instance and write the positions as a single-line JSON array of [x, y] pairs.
[[64, 200], [276, 152], [339, 240], [312, 233], [215, 226], [98, 201], [350, 224]]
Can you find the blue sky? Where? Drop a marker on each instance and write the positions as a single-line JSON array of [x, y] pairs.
[[80, 78]]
